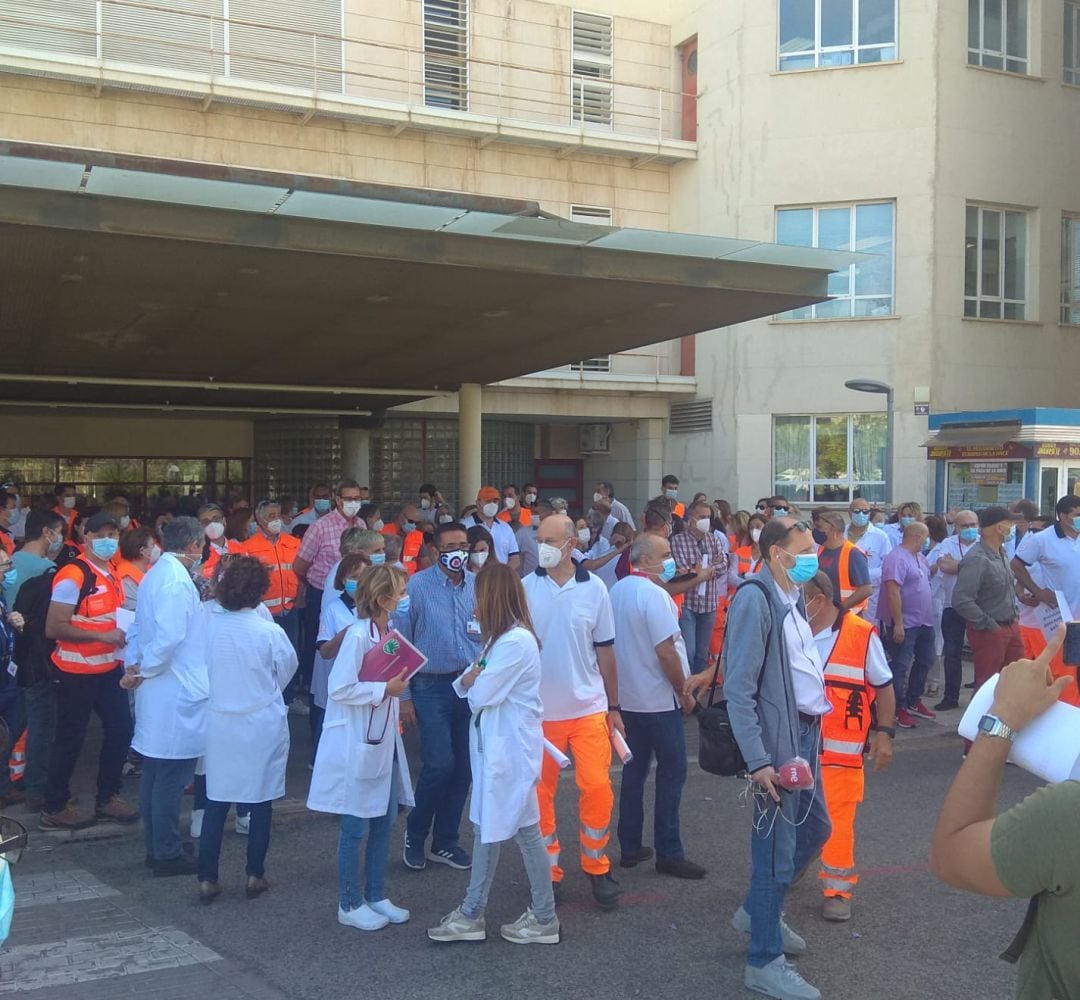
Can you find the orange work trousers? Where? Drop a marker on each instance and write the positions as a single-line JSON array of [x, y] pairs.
[[1034, 644], [589, 743], [843, 788]]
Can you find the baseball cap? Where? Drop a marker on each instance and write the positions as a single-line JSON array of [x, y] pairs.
[[990, 516], [488, 493], [101, 520]]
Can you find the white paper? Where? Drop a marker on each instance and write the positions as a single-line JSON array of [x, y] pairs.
[[1051, 617], [1048, 747], [124, 619], [556, 754]]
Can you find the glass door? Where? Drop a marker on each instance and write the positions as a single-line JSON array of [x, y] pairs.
[[1048, 487]]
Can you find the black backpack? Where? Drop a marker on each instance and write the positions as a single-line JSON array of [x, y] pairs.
[[33, 649]]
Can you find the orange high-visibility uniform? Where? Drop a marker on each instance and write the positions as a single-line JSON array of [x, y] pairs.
[[843, 571], [843, 737], [17, 761], [590, 743], [123, 570], [69, 517], [213, 557], [96, 613], [744, 563], [411, 544], [680, 510], [278, 557], [524, 518], [7, 542], [1034, 644]]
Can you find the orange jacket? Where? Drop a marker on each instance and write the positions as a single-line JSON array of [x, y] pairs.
[[410, 551], [95, 613], [213, 557], [844, 729], [843, 571], [124, 570], [278, 557], [525, 519], [69, 517]]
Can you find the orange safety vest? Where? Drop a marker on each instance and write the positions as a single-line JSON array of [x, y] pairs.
[[68, 516], [410, 551], [278, 558], [744, 556], [843, 571], [210, 562], [8, 542], [17, 760], [680, 510], [96, 613], [125, 570], [844, 729], [525, 520]]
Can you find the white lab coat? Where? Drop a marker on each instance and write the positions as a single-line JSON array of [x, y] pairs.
[[167, 643], [247, 732], [336, 615], [361, 739], [507, 747]]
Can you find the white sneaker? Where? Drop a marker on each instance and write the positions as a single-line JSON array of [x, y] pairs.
[[528, 930], [458, 927], [363, 918], [780, 979], [793, 944], [243, 825], [196, 823], [395, 914]]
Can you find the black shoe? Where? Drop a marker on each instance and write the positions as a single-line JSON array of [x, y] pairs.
[[182, 865], [634, 858], [605, 890], [970, 685], [946, 705], [680, 868]]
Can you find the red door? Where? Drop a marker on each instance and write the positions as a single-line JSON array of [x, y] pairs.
[[689, 84], [561, 477]]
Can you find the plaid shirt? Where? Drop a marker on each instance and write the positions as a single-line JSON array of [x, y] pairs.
[[321, 547], [689, 550]]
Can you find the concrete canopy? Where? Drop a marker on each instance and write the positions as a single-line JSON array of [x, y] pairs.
[[131, 282]]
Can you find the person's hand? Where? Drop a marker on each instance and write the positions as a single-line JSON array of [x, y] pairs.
[[16, 620], [397, 686], [697, 683], [408, 715], [115, 637], [767, 778], [1027, 687], [1047, 597], [468, 679], [1027, 599], [898, 635], [620, 542], [707, 572], [947, 564], [131, 679], [688, 702], [615, 723], [881, 749]]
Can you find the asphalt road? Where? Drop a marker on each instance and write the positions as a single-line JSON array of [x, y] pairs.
[[911, 937]]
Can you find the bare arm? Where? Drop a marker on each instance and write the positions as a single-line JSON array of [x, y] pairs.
[[1020, 571], [300, 568], [892, 595], [328, 649], [863, 593], [58, 626], [605, 660]]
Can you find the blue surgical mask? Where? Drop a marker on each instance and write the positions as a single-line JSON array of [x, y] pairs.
[[860, 518], [1011, 536], [350, 587], [10, 576], [253, 529], [377, 558], [905, 521], [969, 535], [402, 605], [668, 571], [105, 548], [671, 494], [805, 568], [1076, 523], [780, 512], [926, 546], [321, 506]]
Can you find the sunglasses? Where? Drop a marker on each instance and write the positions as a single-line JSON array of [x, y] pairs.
[[801, 525], [762, 506]]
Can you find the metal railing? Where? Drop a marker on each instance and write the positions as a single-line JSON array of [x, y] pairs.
[[125, 41], [653, 362]]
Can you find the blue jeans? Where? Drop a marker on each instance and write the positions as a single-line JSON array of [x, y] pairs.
[[161, 790], [40, 702], [258, 840], [445, 773], [697, 630], [953, 629], [377, 831], [647, 733], [779, 851], [537, 868], [911, 661]]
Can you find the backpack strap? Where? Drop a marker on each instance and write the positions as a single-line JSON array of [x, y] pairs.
[[1016, 949], [754, 581], [89, 584]]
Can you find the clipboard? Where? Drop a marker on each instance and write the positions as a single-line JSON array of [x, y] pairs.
[[388, 657]]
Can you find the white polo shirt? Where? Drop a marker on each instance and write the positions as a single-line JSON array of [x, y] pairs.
[[644, 617], [1059, 557], [570, 621], [807, 669], [506, 544], [875, 544]]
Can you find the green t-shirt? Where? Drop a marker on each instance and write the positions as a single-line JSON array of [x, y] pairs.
[[1036, 852]]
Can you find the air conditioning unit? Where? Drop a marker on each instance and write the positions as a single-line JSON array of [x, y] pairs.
[[594, 438]]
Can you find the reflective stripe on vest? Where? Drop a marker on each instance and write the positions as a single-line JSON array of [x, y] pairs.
[[277, 557], [410, 550], [96, 613], [844, 729], [843, 571]]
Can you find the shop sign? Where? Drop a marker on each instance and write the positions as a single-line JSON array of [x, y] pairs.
[[1048, 449], [980, 451]]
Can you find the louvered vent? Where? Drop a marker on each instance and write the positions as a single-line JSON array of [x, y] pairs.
[[590, 96], [689, 417]]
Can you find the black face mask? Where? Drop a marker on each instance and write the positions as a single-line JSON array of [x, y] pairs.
[[819, 536]]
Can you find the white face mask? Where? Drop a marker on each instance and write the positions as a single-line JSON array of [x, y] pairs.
[[491, 509], [703, 524], [530, 498], [69, 502], [755, 534], [425, 505], [549, 556], [509, 503], [584, 535], [350, 508], [597, 497], [444, 519], [155, 554], [275, 526], [214, 530], [378, 525], [125, 520], [478, 558]]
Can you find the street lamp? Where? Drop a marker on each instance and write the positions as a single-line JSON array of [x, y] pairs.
[[870, 385]]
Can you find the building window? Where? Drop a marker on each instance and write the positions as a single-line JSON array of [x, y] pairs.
[[593, 216], [995, 263], [446, 54], [1070, 269], [860, 289], [590, 85], [998, 34], [817, 33], [830, 459], [1072, 43]]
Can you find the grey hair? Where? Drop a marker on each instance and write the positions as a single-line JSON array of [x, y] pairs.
[[181, 533], [263, 505], [357, 540], [640, 549], [969, 513], [559, 505], [207, 507]]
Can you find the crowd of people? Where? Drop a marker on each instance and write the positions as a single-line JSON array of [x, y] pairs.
[[547, 631]]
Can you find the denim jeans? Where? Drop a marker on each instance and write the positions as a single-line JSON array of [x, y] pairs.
[[780, 851], [647, 733], [77, 695], [258, 839], [161, 790], [377, 830], [309, 632], [13, 714], [911, 661], [697, 630], [537, 868], [316, 718], [445, 773], [952, 633], [40, 702]]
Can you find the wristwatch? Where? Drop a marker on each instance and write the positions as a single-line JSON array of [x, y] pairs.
[[887, 730], [614, 708], [991, 725]]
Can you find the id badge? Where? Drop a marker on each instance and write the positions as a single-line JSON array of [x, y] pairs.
[[473, 627], [13, 668]]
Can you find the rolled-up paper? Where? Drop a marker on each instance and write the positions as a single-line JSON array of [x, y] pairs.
[[556, 754], [1049, 746]]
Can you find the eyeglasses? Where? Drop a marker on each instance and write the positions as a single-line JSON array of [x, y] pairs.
[[801, 525], [762, 506]]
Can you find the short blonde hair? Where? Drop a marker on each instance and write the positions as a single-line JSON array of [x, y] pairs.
[[379, 581]]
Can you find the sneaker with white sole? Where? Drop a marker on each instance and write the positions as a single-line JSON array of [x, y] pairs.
[[363, 918], [792, 943], [458, 927], [413, 855], [455, 857], [243, 825], [780, 979], [527, 929], [196, 823], [395, 914]]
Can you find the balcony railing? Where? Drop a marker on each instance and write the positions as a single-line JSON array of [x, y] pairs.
[[655, 363], [533, 97]]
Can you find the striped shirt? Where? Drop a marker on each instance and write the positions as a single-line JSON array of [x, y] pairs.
[[321, 547], [689, 550]]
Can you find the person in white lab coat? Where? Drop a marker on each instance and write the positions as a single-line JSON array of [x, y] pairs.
[[361, 773], [506, 751], [250, 662], [166, 666]]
